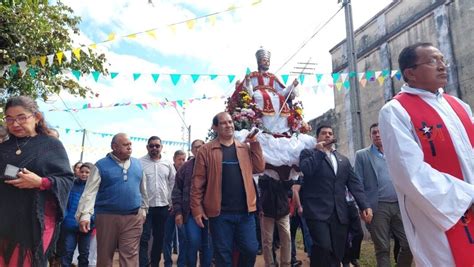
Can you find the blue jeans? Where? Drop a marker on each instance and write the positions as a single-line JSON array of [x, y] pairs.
[[229, 228], [170, 234], [198, 239], [71, 239]]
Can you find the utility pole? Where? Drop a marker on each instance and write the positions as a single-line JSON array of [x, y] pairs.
[[358, 140], [188, 128], [82, 146]]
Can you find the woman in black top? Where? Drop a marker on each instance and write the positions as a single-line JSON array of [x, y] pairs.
[[35, 180]]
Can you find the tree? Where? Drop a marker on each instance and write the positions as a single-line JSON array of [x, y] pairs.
[[31, 29]]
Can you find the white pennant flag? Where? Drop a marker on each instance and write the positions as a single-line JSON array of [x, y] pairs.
[[67, 55], [393, 73], [50, 59], [361, 75], [85, 49], [344, 77], [22, 66]]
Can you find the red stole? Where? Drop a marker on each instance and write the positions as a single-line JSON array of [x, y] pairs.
[[267, 102], [439, 152]]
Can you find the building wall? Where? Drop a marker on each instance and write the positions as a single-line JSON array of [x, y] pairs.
[[446, 24]]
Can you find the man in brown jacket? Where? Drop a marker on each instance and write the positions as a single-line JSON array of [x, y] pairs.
[[223, 190]]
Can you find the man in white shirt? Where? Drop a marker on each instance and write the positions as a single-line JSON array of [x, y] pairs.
[[428, 137], [159, 175]]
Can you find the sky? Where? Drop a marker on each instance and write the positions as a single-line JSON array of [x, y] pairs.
[[223, 45]]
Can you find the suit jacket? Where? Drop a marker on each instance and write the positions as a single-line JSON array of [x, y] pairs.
[[323, 191], [365, 170]]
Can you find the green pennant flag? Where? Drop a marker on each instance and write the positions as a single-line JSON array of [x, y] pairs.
[[180, 102], [113, 75], [175, 78], [195, 77], [13, 69], [385, 73], [284, 77], [352, 74], [136, 76], [85, 106], [231, 78], [370, 75], [76, 74], [33, 72], [247, 71], [336, 76], [319, 77], [213, 76], [347, 84], [67, 130], [155, 76], [96, 75], [302, 78], [140, 106]]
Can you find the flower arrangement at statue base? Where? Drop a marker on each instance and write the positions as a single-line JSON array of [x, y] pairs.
[[244, 111], [295, 120]]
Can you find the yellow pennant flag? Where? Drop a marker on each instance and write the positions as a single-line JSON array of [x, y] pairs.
[[151, 33], [111, 36], [191, 23], [77, 53], [43, 60], [59, 55], [232, 8], [212, 20], [132, 36], [339, 86], [93, 46], [33, 60], [381, 79], [173, 28]]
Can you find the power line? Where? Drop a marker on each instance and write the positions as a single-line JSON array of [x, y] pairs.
[[318, 29]]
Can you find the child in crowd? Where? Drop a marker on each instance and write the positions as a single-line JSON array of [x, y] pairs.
[[70, 228]]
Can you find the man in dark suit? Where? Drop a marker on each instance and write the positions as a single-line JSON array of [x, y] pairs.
[[326, 176]]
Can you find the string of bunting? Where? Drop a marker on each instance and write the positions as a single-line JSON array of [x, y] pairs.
[[66, 56], [132, 138], [143, 106]]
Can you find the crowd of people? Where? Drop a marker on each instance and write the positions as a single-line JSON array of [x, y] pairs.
[[222, 207]]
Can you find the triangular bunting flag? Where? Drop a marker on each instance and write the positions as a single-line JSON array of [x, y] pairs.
[[93, 46], [284, 77], [136, 76], [111, 36], [344, 77], [377, 74], [363, 82], [212, 20], [22, 66], [381, 79], [155, 76], [59, 55], [385, 73], [140, 106], [195, 77], [85, 49], [33, 60], [347, 84], [96, 75], [67, 54], [231, 78], [336, 76], [319, 77], [151, 33], [175, 78], [32, 72], [13, 70], [113, 75], [398, 75], [248, 71], [77, 53], [131, 36], [173, 103], [360, 75], [393, 73], [145, 106], [50, 59], [213, 76], [302, 78], [179, 102], [85, 106], [339, 85], [370, 75], [43, 60], [191, 23], [352, 74], [76, 74]]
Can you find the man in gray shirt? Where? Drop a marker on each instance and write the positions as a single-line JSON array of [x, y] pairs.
[[371, 167]]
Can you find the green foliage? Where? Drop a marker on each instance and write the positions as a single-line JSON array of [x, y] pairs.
[[31, 29]]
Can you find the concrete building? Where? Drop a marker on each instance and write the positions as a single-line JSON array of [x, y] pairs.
[[445, 23]]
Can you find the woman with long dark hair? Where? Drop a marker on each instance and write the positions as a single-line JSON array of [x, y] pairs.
[[35, 180]]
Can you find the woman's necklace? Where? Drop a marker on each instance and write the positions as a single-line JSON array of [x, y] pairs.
[[18, 151]]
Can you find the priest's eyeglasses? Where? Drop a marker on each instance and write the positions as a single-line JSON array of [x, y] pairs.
[[21, 119], [434, 62]]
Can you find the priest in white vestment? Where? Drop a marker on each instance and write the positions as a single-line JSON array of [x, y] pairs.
[[431, 201]]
